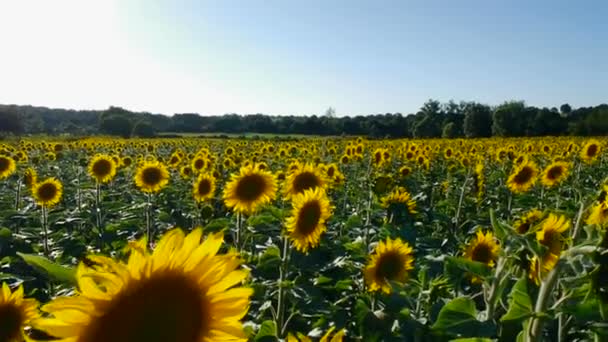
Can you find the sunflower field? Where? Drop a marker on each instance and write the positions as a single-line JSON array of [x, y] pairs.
[[306, 239]]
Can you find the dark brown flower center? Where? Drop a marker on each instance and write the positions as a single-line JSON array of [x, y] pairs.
[[308, 217], [102, 168], [524, 175], [389, 266], [482, 253], [165, 308], [151, 175], [304, 181], [592, 150], [250, 187], [47, 191], [12, 320], [555, 172], [204, 187], [4, 164]]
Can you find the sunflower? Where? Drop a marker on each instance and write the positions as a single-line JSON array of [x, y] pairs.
[[311, 209], [126, 161], [399, 199], [333, 173], [303, 178], [249, 189], [48, 192], [482, 248], [182, 291], [523, 177], [102, 168], [555, 173], [550, 236], [30, 177], [16, 313], [204, 187], [479, 178], [528, 220], [599, 214], [392, 261], [405, 171], [185, 172], [151, 177], [591, 151], [7, 166], [337, 337], [199, 163]]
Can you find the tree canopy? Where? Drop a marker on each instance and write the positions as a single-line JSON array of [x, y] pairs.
[[434, 119]]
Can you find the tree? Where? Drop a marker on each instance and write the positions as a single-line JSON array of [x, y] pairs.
[[11, 122], [116, 125], [143, 129], [565, 109], [330, 112], [449, 131], [478, 121], [509, 119]]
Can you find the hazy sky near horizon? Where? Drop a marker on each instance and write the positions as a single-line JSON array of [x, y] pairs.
[[300, 57]]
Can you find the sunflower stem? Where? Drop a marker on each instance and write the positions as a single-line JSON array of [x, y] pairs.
[[239, 223], [535, 326], [281, 324], [461, 199], [98, 216], [45, 237], [18, 195], [149, 218]]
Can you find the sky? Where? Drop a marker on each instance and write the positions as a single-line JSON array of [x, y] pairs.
[[301, 57]]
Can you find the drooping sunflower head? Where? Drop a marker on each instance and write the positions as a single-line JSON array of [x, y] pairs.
[[523, 177], [250, 189], [399, 201], [16, 313], [7, 166], [550, 233], [555, 173], [151, 177], [204, 187], [311, 210], [598, 214], [591, 151], [305, 177], [182, 291], [30, 177], [482, 248], [392, 260], [102, 168], [528, 221], [48, 192]]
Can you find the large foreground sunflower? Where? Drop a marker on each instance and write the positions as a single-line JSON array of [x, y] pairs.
[[249, 189], [550, 236], [554, 174], [523, 177], [304, 177], [204, 187], [16, 313], [307, 221], [102, 168], [151, 177], [400, 200], [392, 261], [48, 192], [7, 166], [183, 291]]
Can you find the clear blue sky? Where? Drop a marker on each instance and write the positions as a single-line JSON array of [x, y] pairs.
[[300, 57]]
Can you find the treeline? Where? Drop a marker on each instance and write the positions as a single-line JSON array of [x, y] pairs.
[[434, 119]]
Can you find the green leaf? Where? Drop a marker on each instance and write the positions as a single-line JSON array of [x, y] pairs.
[[267, 332], [469, 266], [262, 219], [56, 272], [459, 317], [216, 225], [472, 339], [520, 303]]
